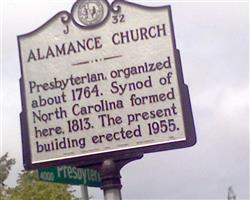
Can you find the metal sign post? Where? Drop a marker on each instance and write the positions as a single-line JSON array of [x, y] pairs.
[[85, 193], [111, 180], [110, 175]]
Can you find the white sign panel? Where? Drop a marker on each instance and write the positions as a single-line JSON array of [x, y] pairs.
[[103, 78]]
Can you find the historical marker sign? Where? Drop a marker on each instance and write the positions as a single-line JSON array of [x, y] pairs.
[[101, 81], [70, 175]]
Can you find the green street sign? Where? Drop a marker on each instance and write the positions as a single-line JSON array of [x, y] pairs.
[[70, 175]]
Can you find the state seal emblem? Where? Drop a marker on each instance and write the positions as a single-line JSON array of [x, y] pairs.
[[90, 12]]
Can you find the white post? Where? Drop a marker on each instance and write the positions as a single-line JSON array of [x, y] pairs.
[[112, 194], [85, 194]]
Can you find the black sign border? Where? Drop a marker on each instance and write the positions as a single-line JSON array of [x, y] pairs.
[[119, 154]]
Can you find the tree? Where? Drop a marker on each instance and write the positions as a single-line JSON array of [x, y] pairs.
[[5, 167], [30, 188]]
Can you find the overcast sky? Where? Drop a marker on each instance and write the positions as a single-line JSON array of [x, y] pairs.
[[213, 39]]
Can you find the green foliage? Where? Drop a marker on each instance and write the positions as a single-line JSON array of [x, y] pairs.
[[5, 167], [30, 188]]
